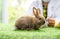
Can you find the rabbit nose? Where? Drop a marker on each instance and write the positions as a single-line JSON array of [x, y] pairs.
[[42, 22]]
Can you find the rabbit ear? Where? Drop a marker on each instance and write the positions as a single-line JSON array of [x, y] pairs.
[[35, 11], [39, 14], [38, 11]]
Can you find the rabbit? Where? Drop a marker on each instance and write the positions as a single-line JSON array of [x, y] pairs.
[[30, 22]]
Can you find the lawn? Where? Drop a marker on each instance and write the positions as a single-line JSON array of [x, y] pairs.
[[8, 31]]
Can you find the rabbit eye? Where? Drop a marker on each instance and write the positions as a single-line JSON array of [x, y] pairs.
[[39, 18]]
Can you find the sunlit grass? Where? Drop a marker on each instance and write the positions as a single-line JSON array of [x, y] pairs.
[[7, 31]]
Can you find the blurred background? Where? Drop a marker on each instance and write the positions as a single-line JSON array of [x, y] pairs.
[[10, 10]]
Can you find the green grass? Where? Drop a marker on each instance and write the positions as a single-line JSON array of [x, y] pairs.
[[8, 31]]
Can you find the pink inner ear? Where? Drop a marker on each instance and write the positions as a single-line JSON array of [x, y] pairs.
[[34, 11]]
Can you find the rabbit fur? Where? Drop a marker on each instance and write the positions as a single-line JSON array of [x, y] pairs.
[[30, 22]]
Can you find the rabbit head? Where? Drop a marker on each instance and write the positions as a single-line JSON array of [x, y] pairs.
[[37, 13]]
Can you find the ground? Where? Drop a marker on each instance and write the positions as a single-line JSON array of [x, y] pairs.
[[8, 31]]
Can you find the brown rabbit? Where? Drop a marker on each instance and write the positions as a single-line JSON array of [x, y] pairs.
[[30, 22]]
